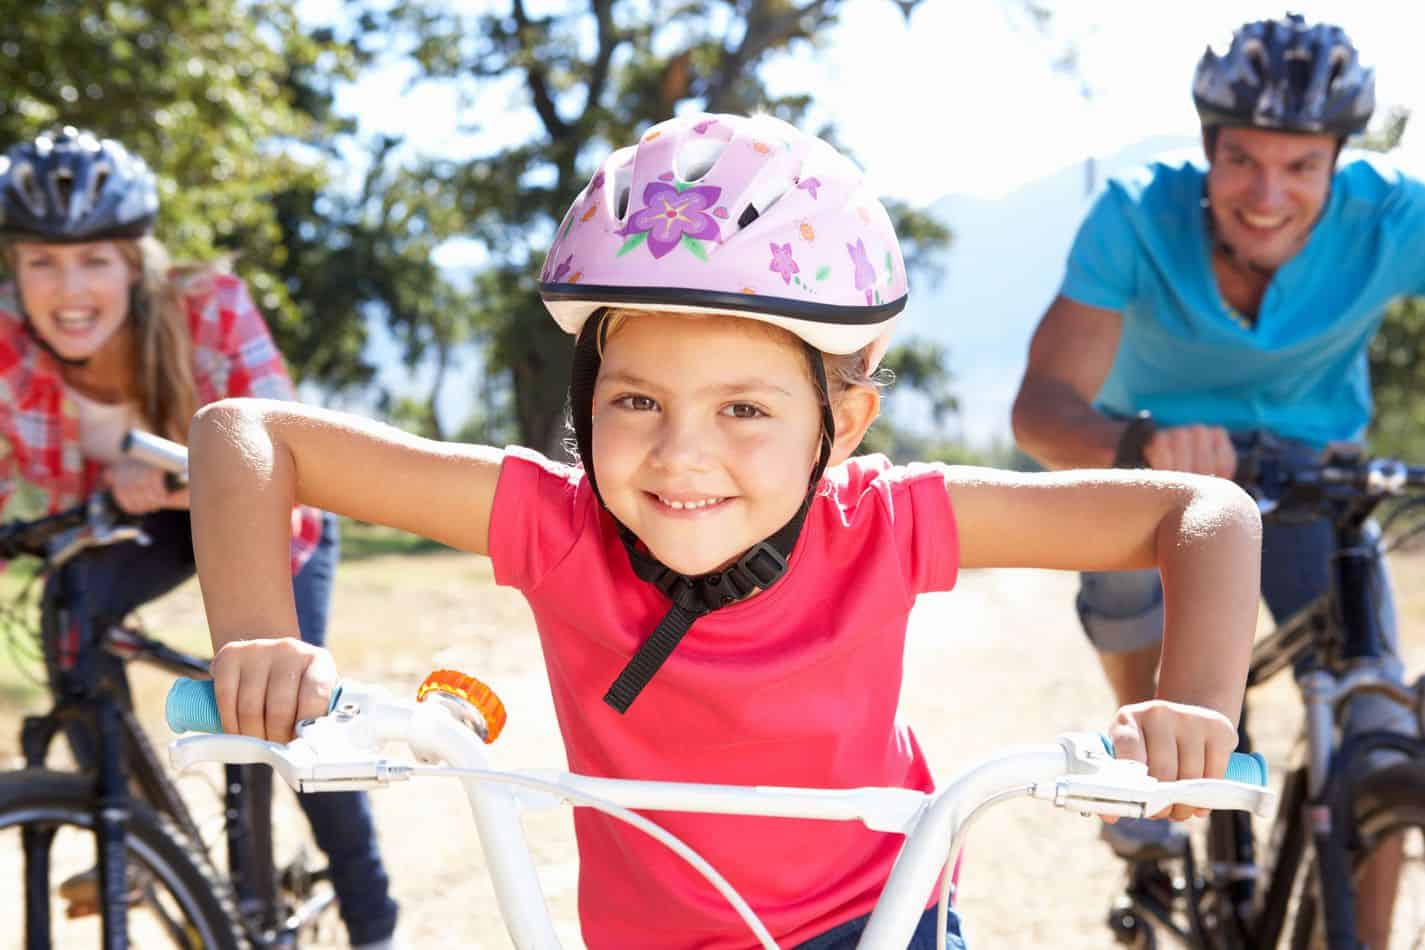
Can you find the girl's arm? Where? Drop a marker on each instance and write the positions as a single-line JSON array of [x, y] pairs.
[[1204, 536], [250, 461], [1202, 533]]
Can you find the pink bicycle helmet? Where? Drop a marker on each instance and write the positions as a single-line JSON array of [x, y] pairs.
[[732, 214]]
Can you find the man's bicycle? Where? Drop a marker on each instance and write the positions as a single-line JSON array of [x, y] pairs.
[[454, 713], [157, 882], [1350, 795]]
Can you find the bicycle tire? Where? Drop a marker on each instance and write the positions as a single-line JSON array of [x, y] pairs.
[[1388, 802], [188, 903]]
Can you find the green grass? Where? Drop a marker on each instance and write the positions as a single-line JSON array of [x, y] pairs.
[[360, 540]]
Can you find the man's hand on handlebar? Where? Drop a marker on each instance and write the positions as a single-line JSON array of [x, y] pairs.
[[1204, 450]]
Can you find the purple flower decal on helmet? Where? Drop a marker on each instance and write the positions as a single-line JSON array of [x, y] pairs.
[[670, 216], [782, 262], [563, 268], [810, 185], [865, 274]]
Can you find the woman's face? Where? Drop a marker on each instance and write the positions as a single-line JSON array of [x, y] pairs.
[[705, 432], [76, 295]]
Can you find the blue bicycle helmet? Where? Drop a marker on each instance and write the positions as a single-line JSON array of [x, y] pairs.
[[1286, 75], [71, 186]]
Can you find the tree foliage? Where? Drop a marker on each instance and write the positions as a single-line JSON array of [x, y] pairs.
[[1397, 353], [228, 100], [585, 77]]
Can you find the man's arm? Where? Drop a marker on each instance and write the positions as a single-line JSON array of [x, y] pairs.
[[1069, 358]]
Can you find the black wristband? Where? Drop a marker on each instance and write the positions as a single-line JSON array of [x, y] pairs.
[[1133, 440]]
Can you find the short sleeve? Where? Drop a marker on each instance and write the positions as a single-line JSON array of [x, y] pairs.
[[1102, 268], [897, 516], [928, 536], [540, 510]]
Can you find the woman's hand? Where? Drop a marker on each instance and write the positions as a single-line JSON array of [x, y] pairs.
[[139, 488], [264, 687], [1177, 741]]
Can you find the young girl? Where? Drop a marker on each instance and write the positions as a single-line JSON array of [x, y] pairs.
[[721, 590], [98, 335]]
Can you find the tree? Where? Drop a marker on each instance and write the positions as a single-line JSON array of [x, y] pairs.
[[589, 77], [216, 95], [1397, 353]]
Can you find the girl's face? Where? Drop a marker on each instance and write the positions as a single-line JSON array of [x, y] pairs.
[[76, 295], [705, 432]]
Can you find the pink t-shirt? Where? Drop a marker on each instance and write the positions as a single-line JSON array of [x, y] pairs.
[[796, 686]]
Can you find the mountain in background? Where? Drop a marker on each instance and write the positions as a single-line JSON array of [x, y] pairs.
[[1003, 268]]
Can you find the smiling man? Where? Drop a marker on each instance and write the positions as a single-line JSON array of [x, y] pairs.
[[1205, 306]]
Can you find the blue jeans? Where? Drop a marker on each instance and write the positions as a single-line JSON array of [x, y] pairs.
[[121, 578], [844, 936]]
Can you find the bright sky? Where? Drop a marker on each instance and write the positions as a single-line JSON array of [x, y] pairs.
[[963, 99]]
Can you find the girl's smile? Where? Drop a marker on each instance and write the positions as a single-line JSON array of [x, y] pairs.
[[705, 433]]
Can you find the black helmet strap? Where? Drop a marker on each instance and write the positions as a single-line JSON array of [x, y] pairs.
[[758, 568]]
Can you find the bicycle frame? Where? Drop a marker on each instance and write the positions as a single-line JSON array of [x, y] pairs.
[[123, 753], [1331, 643], [340, 751]]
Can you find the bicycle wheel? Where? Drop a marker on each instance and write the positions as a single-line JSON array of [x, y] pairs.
[[1389, 813], [175, 900]]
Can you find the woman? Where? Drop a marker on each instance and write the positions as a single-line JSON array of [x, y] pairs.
[[99, 335]]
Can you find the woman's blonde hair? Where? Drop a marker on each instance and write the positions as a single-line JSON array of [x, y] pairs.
[[163, 341]]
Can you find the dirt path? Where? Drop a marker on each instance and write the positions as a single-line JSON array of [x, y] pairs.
[[998, 661]]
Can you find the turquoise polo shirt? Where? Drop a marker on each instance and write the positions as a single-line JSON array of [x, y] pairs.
[[1301, 371]]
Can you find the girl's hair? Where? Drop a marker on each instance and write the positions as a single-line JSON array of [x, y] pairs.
[[843, 370], [163, 384]]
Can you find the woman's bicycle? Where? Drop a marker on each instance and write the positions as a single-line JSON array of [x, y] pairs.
[[1352, 794], [455, 715], [157, 882]]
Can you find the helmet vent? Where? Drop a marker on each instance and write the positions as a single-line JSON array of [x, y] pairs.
[[63, 181], [621, 203], [27, 189], [748, 215]]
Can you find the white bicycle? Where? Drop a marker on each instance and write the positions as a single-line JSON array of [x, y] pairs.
[[454, 716]]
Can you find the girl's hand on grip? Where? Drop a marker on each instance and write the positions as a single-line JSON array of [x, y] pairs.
[[1176, 741], [264, 687]]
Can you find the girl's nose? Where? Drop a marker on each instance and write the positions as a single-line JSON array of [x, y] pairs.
[[681, 443]]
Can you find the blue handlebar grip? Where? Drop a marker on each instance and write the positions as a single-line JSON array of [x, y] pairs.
[[192, 707], [1249, 768]]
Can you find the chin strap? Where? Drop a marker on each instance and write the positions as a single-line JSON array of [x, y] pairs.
[[758, 568]]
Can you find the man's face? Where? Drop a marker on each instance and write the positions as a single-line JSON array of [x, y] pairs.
[[1266, 190]]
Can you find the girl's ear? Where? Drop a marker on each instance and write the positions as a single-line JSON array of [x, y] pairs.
[[854, 410]]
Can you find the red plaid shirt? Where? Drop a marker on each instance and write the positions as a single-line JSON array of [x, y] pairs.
[[233, 355]]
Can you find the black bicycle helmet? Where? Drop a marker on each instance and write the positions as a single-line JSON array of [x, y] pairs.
[[71, 186], [1286, 75]]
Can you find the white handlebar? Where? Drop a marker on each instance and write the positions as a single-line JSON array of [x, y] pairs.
[[343, 751]]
